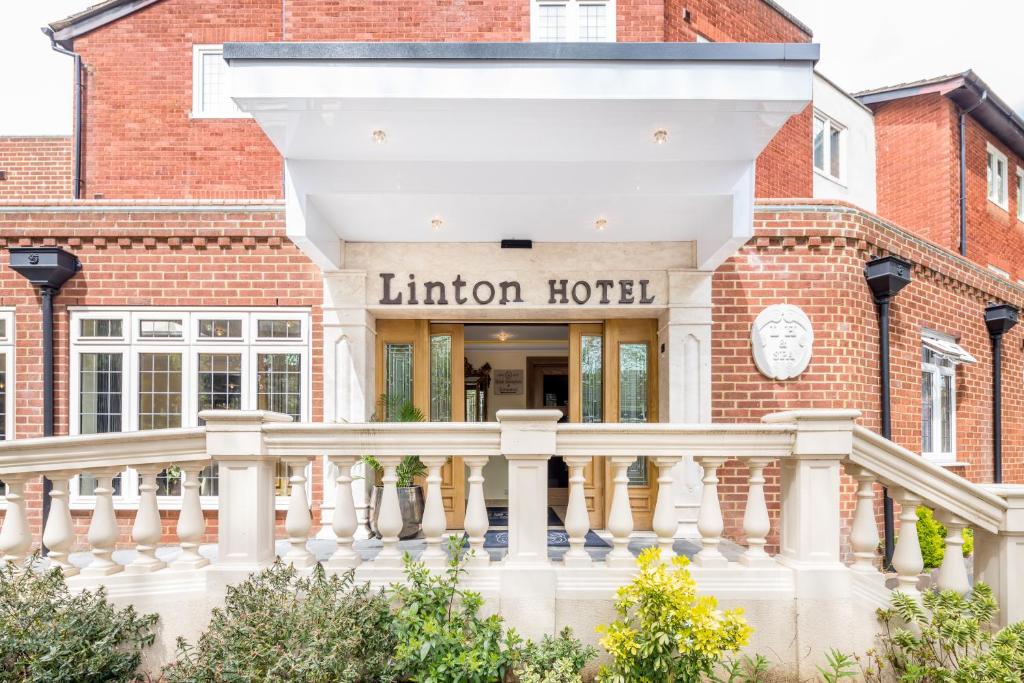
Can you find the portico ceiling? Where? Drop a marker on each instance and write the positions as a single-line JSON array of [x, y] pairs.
[[458, 142]]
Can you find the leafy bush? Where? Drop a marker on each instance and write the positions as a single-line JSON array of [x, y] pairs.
[[440, 635], [49, 634], [554, 660], [932, 537], [950, 639], [665, 632], [278, 626], [743, 669]]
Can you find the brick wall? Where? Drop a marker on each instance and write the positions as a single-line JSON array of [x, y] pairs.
[[36, 167], [139, 138], [208, 256], [918, 151], [813, 256]]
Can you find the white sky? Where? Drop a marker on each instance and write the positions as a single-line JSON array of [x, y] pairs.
[[865, 43]]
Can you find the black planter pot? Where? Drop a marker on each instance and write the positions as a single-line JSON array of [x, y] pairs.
[[410, 502]]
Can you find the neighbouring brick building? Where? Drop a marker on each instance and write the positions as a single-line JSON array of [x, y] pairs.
[[278, 203]]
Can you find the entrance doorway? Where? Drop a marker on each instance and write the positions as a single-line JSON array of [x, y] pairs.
[[592, 372]]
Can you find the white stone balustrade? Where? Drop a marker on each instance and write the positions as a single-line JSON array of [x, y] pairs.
[[811, 448]]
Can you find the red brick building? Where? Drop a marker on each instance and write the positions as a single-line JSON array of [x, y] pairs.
[[235, 256]]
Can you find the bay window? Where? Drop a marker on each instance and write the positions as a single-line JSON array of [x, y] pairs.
[[140, 369]]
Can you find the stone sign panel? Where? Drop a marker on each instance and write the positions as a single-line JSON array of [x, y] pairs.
[[782, 340], [508, 382]]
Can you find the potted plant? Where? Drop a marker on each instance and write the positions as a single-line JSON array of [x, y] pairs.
[[410, 495]]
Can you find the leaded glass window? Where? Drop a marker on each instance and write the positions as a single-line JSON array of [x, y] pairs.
[[220, 329], [441, 378], [220, 388], [100, 396], [397, 377], [633, 399], [592, 378]]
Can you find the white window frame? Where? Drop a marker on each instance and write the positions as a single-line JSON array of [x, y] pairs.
[[994, 155], [957, 355], [1020, 194], [190, 345], [198, 112], [7, 348], [830, 124], [572, 18]]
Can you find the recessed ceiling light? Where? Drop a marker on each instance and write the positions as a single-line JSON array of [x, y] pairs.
[[601, 224], [503, 336], [660, 136], [436, 223], [380, 137]]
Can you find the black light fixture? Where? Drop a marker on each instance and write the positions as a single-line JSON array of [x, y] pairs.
[[999, 319], [47, 268], [517, 244], [886, 276]]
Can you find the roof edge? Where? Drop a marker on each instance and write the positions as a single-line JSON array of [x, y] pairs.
[[790, 17], [92, 18], [523, 51]]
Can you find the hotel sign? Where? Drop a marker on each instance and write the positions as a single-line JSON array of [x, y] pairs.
[[410, 291]]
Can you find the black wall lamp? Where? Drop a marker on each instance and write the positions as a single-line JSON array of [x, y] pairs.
[[999, 319], [47, 268], [886, 276]]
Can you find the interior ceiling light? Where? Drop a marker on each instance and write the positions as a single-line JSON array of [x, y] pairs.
[[503, 336], [436, 223], [600, 223], [660, 136], [380, 137]]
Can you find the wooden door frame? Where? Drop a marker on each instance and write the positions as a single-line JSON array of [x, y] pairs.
[[594, 490]]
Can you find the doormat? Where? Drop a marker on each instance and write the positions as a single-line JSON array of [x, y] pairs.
[[497, 517]]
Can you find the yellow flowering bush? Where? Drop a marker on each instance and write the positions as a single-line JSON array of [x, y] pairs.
[[665, 632]]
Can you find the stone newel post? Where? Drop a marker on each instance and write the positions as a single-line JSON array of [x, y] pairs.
[[234, 439], [999, 558], [810, 518], [528, 442]]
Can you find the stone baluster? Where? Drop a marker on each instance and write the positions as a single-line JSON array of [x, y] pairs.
[[756, 524], [620, 515], [907, 559], [665, 523], [103, 532], [953, 572], [146, 529], [344, 521], [298, 522], [191, 522], [15, 537], [59, 534], [864, 537], [389, 517], [434, 523], [577, 519], [476, 512], [709, 523]]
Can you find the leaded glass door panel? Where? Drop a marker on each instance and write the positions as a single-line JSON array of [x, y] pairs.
[[586, 403]]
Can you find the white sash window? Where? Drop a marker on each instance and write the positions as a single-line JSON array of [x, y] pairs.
[[940, 356]]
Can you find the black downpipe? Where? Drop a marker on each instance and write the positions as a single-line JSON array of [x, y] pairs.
[[997, 409], [886, 276], [76, 180], [963, 171], [46, 294], [888, 513], [999, 319]]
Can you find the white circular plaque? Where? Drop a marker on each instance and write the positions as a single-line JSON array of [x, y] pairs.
[[782, 340]]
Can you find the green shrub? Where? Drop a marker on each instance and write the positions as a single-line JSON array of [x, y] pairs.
[[745, 669], [554, 660], [665, 632], [441, 637], [49, 634], [932, 537], [410, 467], [278, 626], [946, 638]]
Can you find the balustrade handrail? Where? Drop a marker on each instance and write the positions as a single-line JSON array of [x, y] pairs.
[[455, 439], [664, 439], [87, 452], [897, 466]]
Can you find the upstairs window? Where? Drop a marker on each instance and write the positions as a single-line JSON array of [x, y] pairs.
[[940, 356], [572, 21], [997, 177], [829, 143], [1020, 194], [210, 85]]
